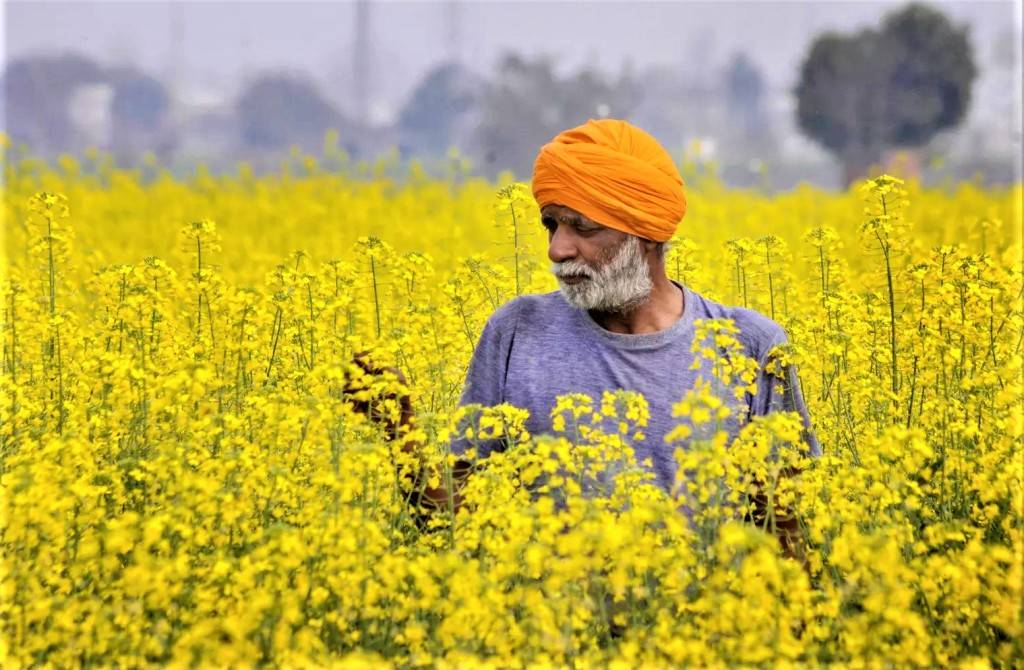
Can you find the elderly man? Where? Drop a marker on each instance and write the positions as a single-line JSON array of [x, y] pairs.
[[610, 198]]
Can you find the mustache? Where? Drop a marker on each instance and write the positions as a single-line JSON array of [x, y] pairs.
[[567, 269]]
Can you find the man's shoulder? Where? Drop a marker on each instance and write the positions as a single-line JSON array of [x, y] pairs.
[[531, 308], [758, 332]]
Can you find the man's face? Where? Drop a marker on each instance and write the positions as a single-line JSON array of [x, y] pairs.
[[598, 268]]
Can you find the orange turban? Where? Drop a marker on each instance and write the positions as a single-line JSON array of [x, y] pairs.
[[615, 174]]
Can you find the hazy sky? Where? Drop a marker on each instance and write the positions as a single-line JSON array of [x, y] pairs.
[[219, 43]]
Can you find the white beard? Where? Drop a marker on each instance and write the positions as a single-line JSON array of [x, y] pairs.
[[619, 286]]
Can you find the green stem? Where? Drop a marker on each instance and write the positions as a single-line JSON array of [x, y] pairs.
[[199, 278], [276, 337], [52, 266], [60, 387], [771, 283], [239, 365], [892, 301], [309, 299], [376, 298], [52, 272], [14, 342], [515, 245], [824, 284], [892, 319]]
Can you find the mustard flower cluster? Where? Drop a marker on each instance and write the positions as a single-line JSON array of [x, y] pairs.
[[197, 470]]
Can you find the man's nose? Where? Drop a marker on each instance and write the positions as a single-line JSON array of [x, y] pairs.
[[561, 246]]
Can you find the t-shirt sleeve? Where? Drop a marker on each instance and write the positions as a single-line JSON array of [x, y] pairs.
[[779, 390], [488, 368]]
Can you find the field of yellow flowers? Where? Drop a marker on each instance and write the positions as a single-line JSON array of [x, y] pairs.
[[184, 481]]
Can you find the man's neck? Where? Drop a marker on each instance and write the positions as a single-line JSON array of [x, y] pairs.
[[663, 307]]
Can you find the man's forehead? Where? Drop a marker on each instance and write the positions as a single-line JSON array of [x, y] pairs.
[[564, 213]]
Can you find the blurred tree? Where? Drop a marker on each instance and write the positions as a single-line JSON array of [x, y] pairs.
[[527, 104], [744, 91], [430, 121], [863, 94], [138, 109], [276, 111], [139, 100], [37, 91], [748, 134]]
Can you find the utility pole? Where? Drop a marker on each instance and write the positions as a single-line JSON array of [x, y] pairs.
[[453, 24], [175, 81], [361, 59], [176, 50]]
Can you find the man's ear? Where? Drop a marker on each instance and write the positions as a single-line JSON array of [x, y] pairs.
[[650, 247]]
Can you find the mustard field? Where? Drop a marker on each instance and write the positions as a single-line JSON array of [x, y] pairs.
[[185, 482]]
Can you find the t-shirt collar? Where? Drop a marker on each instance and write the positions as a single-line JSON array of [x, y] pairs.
[[643, 340]]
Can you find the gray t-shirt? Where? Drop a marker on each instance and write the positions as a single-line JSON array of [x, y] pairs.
[[537, 347]]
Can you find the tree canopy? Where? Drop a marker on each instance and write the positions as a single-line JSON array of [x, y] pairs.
[[528, 103], [897, 85], [277, 110]]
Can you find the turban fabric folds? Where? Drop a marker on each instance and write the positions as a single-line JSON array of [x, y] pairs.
[[615, 174]]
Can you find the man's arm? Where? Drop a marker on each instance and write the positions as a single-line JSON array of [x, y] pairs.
[[484, 385], [778, 389], [784, 524], [420, 492], [487, 372]]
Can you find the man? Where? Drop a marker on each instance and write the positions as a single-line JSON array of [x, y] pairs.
[[610, 198]]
